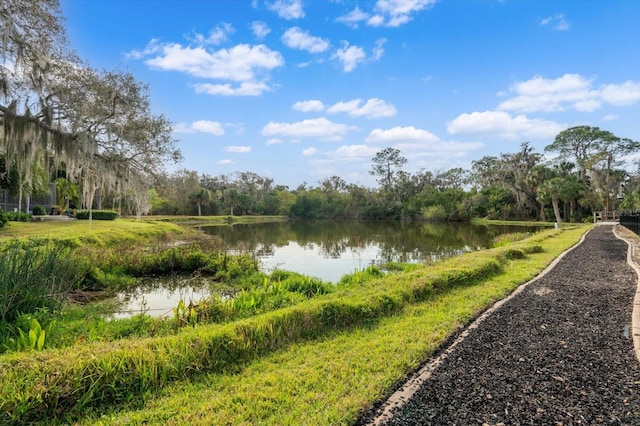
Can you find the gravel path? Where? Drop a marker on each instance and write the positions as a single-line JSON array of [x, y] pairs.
[[558, 353]]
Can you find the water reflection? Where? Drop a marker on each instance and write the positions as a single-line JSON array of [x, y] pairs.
[[157, 297], [330, 249]]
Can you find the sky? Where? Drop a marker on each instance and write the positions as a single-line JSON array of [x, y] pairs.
[[301, 90]]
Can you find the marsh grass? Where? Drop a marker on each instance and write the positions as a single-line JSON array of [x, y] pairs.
[[33, 277]]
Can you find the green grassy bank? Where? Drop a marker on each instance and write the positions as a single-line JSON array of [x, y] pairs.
[[318, 362]]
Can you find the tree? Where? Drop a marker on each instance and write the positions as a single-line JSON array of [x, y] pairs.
[[200, 197], [552, 190], [598, 154], [98, 124], [385, 165]]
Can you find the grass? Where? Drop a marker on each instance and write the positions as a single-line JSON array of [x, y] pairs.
[[318, 362], [76, 233]]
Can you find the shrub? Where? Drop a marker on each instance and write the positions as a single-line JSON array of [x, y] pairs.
[[97, 214], [3, 218], [18, 217], [39, 211]]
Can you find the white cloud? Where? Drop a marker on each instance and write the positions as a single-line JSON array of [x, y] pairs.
[[610, 117], [320, 128], [354, 152], [260, 29], [549, 95], [274, 141], [354, 17], [571, 91], [217, 35], [238, 149], [203, 126], [503, 125], [244, 64], [308, 106], [350, 56], [373, 108], [557, 22], [309, 151], [401, 134], [225, 161], [287, 9], [390, 13], [378, 50], [295, 38], [239, 63], [626, 93], [246, 88]]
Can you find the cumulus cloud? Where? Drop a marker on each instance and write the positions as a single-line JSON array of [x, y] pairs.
[[243, 69], [260, 29], [401, 134], [225, 161], [571, 91], [287, 9], [238, 149], [217, 35], [389, 13], [295, 38], [350, 56], [557, 22], [308, 106], [319, 128], [503, 125], [627, 93], [309, 151], [239, 63], [372, 108], [203, 126], [354, 17], [274, 141]]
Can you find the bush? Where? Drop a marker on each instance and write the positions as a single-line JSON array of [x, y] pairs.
[[97, 214], [3, 218], [18, 217], [39, 211]]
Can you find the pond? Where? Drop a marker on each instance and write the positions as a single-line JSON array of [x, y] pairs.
[[323, 249]]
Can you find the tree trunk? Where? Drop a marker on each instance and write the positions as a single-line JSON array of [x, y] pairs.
[[543, 217], [556, 209]]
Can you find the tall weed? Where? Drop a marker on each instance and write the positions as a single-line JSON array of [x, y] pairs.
[[34, 276]]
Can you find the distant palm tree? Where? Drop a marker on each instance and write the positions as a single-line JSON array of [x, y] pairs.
[[200, 197]]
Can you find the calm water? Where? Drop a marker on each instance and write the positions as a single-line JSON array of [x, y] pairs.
[[330, 249], [324, 249]]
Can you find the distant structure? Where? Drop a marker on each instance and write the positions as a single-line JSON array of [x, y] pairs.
[[9, 203]]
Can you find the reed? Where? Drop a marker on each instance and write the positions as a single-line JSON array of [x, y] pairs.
[[35, 276]]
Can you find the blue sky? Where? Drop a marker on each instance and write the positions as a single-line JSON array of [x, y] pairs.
[[299, 90]]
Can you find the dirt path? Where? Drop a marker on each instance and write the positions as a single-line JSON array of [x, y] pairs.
[[560, 352]]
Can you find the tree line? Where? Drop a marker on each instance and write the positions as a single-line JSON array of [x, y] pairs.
[[587, 171]]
